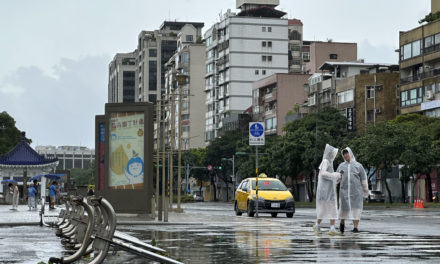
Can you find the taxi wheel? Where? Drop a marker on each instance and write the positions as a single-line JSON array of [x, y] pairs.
[[250, 213], [274, 214], [289, 215], [237, 212]]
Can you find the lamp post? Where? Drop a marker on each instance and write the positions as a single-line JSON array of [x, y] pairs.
[[181, 79]]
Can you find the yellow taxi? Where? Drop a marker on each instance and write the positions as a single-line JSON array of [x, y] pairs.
[[273, 197]]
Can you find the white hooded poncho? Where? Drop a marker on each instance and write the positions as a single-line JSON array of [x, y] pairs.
[[353, 188], [326, 202]]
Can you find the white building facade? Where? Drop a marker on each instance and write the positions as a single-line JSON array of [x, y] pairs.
[[241, 49]]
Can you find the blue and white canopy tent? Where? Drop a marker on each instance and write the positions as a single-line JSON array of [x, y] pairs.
[[23, 161]]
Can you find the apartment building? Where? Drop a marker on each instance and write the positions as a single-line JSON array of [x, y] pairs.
[[121, 78], [277, 95], [69, 156], [189, 60], [154, 49], [420, 67], [318, 52], [363, 92], [297, 59], [240, 49]]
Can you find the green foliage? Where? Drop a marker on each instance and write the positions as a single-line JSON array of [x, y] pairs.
[[9, 134], [82, 177], [430, 17]]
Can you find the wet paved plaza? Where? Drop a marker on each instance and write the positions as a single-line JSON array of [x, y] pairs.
[[211, 233]]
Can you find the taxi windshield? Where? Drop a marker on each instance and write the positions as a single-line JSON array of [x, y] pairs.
[[265, 185]]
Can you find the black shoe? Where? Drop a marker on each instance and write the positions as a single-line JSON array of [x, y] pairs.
[[342, 228], [355, 230]]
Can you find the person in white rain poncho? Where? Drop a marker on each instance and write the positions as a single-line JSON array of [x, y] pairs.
[[326, 201], [353, 189]]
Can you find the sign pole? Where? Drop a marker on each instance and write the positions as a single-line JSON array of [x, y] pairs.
[[256, 171]]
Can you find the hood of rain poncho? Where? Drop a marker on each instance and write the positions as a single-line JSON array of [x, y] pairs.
[[352, 158], [330, 153]]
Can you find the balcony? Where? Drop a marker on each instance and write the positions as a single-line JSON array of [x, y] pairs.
[[431, 49], [411, 78], [431, 73]]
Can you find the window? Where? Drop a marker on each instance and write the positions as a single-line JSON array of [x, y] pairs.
[[269, 58], [370, 92], [306, 56], [152, 98], [263, 29], [263, 44], [189, 38], [264, 72], [429, 41], [263, 58], [185, 106], [152, 76], [407, 51], [333, 56], [152, 52], [185, 57], [257, 72], [269, 44], [185, 117], [416, 48], [185, 128], [346, 96], [269, 29], [370, 115], [411, 97]]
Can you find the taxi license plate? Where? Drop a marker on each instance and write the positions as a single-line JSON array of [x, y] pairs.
[[275, 205]]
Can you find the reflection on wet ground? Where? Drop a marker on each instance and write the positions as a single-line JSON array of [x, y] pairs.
[[273, 243]]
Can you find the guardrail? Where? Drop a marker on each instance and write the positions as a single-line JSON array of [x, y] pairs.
[[88, 225]]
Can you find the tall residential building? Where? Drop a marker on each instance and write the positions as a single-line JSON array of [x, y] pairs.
[[320, 52], [420, 67], [121, 78], [297, 58], [69, 156], [154, 49], [240, 49], [189, 60]]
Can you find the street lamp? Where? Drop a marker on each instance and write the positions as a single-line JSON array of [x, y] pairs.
[[181, 80]]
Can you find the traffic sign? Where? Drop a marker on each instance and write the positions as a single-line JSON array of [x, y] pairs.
[[256, 134]]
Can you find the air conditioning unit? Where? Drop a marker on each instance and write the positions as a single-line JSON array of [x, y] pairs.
[[378, 110], [429, 95]]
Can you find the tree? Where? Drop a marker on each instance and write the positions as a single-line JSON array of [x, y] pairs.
[[9, 133], [82, 177], [305, 141], [422, 148], [380, 147]]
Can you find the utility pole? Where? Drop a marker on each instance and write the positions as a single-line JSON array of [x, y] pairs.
[[181, 79], [164, 200], [172, 142], [158, 135]]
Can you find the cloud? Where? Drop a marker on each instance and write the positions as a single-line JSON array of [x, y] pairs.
[[57, 109], [379, 54]]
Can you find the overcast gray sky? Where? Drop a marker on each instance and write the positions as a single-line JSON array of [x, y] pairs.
[[54, 55]]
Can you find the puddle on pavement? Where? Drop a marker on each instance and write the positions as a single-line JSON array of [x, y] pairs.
[[248, 244], [241, 243]]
